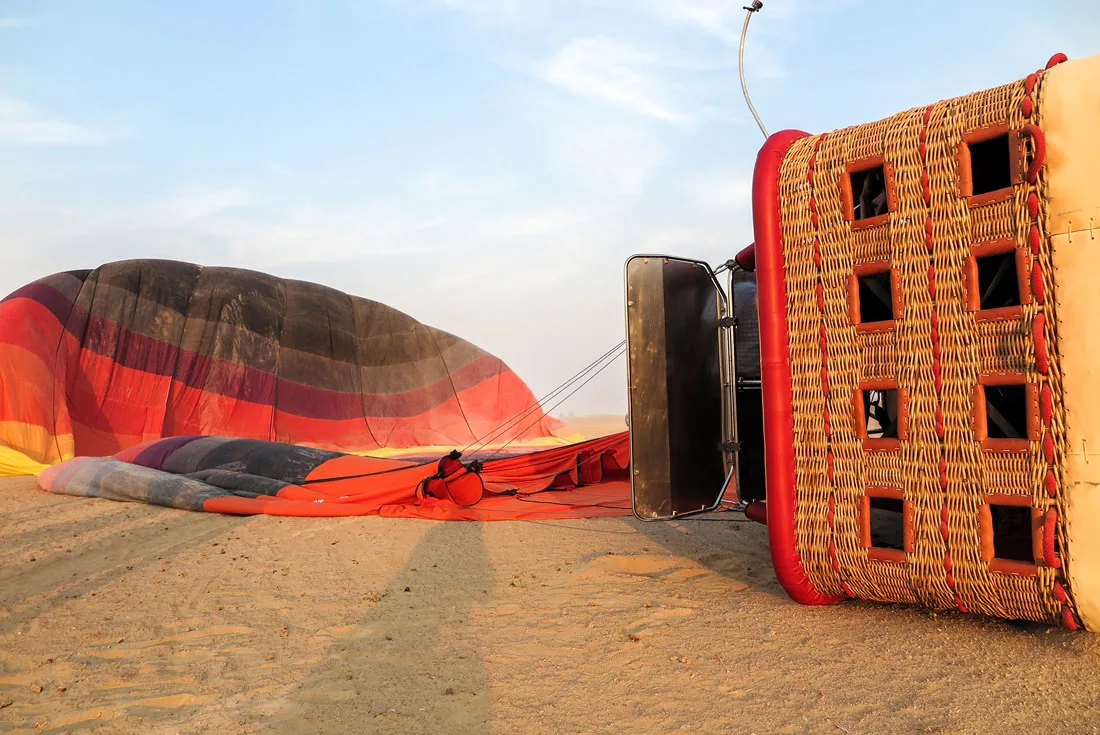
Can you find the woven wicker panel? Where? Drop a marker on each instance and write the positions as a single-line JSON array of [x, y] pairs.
[[941, 466], [993, 221], [1006, 346], [880, 355], [814, 489], [870, 245], [882, 469], [828, 520], [1006, 472]]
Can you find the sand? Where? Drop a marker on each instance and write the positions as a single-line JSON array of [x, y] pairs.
[[593, 427], [124, 618]]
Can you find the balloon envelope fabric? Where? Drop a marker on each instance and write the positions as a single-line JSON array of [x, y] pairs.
[[248, 477], [93, 362]]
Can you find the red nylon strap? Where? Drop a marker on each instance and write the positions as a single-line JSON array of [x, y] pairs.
[[1050, 523], [1032, 131], [1038, 335], [1038, 288]]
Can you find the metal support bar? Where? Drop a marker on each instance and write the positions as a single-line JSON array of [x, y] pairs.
[[750, 9], [730, 388]]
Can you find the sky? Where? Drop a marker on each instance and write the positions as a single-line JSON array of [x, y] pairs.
[[486, 166]]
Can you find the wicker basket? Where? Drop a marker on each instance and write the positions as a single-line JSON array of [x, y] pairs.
[[927, 283]]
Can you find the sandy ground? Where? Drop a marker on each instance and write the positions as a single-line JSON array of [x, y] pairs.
[[592, 427], [123, 618]]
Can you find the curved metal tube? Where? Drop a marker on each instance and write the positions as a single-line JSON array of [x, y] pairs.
[[749, 10]]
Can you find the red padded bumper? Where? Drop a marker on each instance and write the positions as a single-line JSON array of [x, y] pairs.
[[775, 371]]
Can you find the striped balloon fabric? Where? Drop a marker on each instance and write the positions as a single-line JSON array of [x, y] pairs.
[[249, 477], [94, 362]]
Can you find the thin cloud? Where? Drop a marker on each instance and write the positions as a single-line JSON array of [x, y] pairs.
[[718, 18], [438, 185], [201, 203], [14, 23], [509, 9], [723, 191], [609, 156], [614, 72], [779, 26], [23, 123], [724, 20]]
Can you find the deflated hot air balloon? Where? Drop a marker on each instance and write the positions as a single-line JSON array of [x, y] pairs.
[[231, 391], [94, 362]]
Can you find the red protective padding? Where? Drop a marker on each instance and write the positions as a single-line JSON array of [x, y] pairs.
[[775, 371], [757, 511], [747, 258]]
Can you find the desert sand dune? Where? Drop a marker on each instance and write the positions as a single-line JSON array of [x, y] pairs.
[[123, 618]]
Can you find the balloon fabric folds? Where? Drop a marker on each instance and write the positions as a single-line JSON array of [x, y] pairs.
[[232, 391], [93, 362], [250, 477]]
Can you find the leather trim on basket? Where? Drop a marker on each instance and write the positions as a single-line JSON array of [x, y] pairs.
[[1023, 280], [898, 305], [847, 198], [985, 530], [978, 415], [876, 553], [966, 178]]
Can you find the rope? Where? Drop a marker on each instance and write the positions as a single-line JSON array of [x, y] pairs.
[[485, 439], [450, 380], [500, 430], [613, 353], [621, 350]]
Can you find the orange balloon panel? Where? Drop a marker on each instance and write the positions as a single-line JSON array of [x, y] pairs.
[[93, 362]]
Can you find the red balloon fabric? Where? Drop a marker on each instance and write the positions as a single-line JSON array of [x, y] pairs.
[[93, 362], [250, 477]]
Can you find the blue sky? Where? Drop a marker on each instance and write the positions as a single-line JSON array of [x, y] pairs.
[[484, 165]]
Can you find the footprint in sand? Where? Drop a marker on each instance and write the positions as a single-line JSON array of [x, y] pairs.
[[659, 618], [665, 568]]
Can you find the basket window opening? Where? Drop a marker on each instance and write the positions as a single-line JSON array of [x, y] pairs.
[[998, 281], [887, 519], [876, 297], [1006, 411], [880, 411], [1012, 533], [990, 165], [869, 198]]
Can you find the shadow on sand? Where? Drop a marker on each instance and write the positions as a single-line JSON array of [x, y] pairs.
[[409, 663], [724, 542]]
